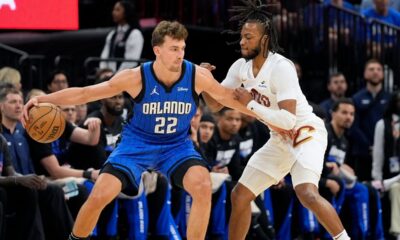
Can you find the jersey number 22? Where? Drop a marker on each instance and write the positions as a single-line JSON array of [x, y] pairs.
[[165, 125]]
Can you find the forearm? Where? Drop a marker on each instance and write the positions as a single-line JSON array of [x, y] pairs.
[[212, 103], [228, 100], [93, 137], [63, 172], [8, 181], [70, 96], [278, 118]]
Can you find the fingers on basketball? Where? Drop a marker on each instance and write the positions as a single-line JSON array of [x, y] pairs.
[[46, 123]]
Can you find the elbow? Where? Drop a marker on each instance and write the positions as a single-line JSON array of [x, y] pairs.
[[55, 173], [215, 107], [94, 142]]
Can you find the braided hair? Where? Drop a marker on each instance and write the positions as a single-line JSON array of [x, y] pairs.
[[256, 11]]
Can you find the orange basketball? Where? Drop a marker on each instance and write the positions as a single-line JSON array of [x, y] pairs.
[[46, 123]]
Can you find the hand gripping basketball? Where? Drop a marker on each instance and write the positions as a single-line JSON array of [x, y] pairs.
[[46, 122]]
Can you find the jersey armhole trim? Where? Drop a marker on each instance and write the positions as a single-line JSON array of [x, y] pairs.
[[140, 96], [194, 93]]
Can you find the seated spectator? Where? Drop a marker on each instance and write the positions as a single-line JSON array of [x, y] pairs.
[[386, 157], [370, 103], [362, 203], [206, 128], [337, 87], [69, 113], [11, 75], [50, 198], [57, 81], [81, 113]]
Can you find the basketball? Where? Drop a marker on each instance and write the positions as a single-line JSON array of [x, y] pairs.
[[46, 123]]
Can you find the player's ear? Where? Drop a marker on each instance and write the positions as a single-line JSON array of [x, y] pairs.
[[156, 50], [265, 38]]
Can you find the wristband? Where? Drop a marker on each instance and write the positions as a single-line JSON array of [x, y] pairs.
[[87, 174]]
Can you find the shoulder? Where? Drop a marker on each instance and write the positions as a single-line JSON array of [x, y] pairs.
[[202, 72], [380, 125], [238, 63], [360, 94], [282, 66], [369, 12], [136, 33], [132, 73]]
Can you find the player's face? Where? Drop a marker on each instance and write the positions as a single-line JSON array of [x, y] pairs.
[[206, 131], [250, 42], [59, 82], [344, 116], [230, 122], [171, 53], [338, 86], [373, 73], [11, 108], [118, 13], [69, 113], [114, 105]]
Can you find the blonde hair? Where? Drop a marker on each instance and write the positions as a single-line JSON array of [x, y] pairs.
[[10, 75], [33, 93]]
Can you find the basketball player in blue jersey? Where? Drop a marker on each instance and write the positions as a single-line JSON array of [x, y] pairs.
[[157, 136]]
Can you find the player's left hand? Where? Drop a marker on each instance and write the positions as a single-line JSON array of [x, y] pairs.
[[242, 95]]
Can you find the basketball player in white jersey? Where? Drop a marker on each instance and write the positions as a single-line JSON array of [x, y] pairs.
[[272, 92]]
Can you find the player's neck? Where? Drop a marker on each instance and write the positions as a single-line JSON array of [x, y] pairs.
[[9, 124], [258, 62], [165, 75]]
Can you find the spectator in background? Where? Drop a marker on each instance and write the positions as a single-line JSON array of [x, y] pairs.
[[81, 113], [365, 4], [337, 87], [11, 75], [16, 189], [360, 201], [69, 113], [51, 198], [386, 153], [126, 40], [369, 103], [57, 81], [206, 128], [111, 121], [383, 12]]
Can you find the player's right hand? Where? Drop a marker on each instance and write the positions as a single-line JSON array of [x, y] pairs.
[[208, 66], [25, 112]]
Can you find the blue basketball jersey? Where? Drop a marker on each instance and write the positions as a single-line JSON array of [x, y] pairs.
[[162, 114]]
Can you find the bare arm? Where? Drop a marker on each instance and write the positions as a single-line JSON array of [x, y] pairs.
[[211, 102], [205, 82], [88, 136], [128, 80], [52, 166]]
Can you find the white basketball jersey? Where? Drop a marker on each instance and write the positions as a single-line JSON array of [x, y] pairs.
[[264, 86]]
